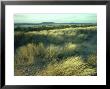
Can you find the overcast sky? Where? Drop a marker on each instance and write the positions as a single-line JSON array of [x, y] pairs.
[[58, 18]]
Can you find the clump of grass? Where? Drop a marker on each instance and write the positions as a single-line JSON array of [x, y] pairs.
[[69, 46], [68, 67], [92, 60], [25, 54], [29, 53], [52, 52], [89, 72]]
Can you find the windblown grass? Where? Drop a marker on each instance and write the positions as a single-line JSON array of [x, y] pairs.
[[68, 67], [57, 52]]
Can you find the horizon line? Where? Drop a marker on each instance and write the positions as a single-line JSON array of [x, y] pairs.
[[55, 22]]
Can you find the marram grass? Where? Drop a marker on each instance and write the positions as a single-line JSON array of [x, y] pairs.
[[72, 66], [56, 52]]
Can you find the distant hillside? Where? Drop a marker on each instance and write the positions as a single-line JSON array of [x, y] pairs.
[[47, 23]]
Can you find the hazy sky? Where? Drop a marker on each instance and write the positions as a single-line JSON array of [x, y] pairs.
[[58, 18]]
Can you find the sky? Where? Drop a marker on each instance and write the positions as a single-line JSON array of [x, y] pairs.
[[57, 18]]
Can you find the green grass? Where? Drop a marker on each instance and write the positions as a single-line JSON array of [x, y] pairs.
[[56, 52]]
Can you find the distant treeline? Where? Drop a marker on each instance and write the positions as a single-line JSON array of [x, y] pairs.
[[50, 27]]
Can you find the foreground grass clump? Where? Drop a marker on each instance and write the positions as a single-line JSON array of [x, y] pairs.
[[29, 54], [68, 67]]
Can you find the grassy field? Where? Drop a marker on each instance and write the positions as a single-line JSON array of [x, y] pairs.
[[58, 51]]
